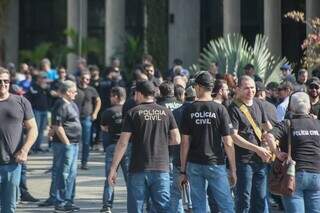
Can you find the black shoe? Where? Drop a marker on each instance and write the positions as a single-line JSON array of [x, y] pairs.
[[84, 166], [27, 197], [71, 207], [106, 209], [47, 203]]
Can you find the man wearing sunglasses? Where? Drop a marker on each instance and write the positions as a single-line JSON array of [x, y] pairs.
[[314, 92], [15, 113]]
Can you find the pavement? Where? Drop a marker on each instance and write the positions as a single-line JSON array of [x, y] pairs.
[[89, 188]]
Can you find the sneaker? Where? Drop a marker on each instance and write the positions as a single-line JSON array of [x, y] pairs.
[[47, 203], [27, 197], [106, 209], [71, 207], [84, 166]]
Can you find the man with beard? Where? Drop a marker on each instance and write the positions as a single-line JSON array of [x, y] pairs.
[[314, 91], [220, 92], [285, 89]]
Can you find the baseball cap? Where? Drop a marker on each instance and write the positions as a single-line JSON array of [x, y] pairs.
[[260, 86], [146, 88], [314, 81], [204, 78], [285, 67]]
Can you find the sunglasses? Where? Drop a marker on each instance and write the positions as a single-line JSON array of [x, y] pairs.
[[4, 81]]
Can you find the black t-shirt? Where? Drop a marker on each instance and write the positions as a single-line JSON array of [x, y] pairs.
[[85, 100], [315, 108], [13, 112], [67, 115], [39, 97], [129, 104], [241, 123], [112, 118], [270, 110], [206, 122], [169, 102], [150, 125], [305, 142]]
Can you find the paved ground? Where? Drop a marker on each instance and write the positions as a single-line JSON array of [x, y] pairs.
[[89, 185]]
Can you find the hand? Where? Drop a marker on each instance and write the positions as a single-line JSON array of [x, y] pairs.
[[313, 116], [94, 116], [112, 177], [232, 178], [264, 154], [282, 155], [21, 156], [182, 180]]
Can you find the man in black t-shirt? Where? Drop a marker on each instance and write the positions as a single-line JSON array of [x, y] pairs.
[[305, 151], [67, 133], [152, 128], [167, 98], [89, 104], [111, 122], [205, 131], [15, 113], [250, 155]]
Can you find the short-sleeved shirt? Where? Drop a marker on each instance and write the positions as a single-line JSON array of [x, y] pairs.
[[150, 125], [85, 100], [245, 130], [206, 122], [66, 115], [13, 112], [170, 103], [305, 134], [112, 117]]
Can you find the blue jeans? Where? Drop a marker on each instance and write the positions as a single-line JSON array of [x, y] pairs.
[[66, 171], [307, 195], [108, 192], [251, 189], [215, 177], [142, 185], [9, 186], [86, 124], [23, 180], [105, 139], [41, 118], [175, 199]]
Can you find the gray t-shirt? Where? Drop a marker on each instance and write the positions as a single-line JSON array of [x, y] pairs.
[[67, 115], [13, 112]]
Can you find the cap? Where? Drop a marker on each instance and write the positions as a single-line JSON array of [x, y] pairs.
[[146, 88], [314, 81], [285, 67], [190, 92], [204, 78], [260, 86]]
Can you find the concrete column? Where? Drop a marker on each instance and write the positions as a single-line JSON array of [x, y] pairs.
[[11, 33], [114, 28], [77, 15], [312, 10], [184, 31], [231, 16], [272, 25]]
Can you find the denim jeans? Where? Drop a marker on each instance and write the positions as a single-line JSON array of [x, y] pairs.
[[307, 195], [176, 205], [23, 180], [108, 192], [66, 171], [105, 140], [9, 186], [86, 124], [41, 119], [153, 184], [215, 177], [251, 189]]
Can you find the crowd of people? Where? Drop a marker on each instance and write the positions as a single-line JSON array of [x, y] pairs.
[[207, 135]]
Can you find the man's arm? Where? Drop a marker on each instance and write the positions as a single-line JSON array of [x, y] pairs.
[[32, 134], [120, 149], [97, 107], [104, 128], [229, 149], [267, 126], [59, 130], [263, 153], [175, 138], [184, 150]]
